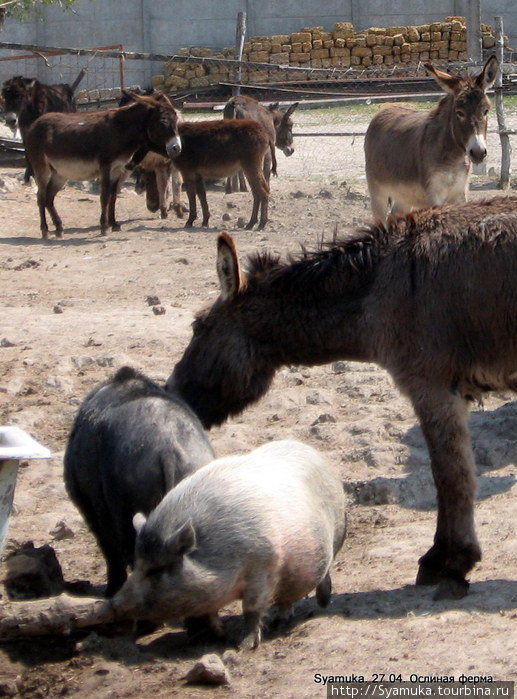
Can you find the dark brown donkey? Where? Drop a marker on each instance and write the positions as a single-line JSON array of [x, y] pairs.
[[431, 298], [99, 144], [26, 99], [419, 158], [220, 149], [155, 174], [277, 123]]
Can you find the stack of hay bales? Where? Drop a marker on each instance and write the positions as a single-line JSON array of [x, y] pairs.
[[313, 47]]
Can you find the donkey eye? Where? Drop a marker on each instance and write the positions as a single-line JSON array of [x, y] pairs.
[[460, 114]]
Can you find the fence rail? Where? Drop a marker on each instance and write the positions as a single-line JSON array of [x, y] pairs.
[[327, 86]]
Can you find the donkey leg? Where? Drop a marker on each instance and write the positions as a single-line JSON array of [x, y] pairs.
[[55, 184], [443, 416], [162, 181], [242, 182], [260, 192], [190, 186], [105, 201], [201, 193], [175, 180], [42, 204], [113, 191], [42, 180]]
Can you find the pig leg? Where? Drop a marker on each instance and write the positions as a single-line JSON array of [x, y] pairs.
[[255, 601], [252, 634], [324, 590], [282, 616]]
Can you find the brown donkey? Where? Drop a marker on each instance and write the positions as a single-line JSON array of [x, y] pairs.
[[99, 144], [221, 149], [418, 158], [278, 124], [431, 298]]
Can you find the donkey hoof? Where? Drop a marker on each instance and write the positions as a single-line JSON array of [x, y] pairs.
[[452, 588], [427, 576], [116, 227], [59, 234], [104, 231]]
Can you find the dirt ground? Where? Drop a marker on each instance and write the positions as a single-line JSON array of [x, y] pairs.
[[74, 310]]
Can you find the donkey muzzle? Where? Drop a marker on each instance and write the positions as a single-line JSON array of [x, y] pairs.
[[288, 150], [11, 120], [173, 147], [476, 149]]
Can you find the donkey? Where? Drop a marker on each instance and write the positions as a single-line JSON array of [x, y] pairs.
[[430, 297], [26, 99], [97, 144], [155, 174], [220, 149], [418, 158], [278, 124]]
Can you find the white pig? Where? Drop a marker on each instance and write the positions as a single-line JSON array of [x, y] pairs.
[[262, 527]]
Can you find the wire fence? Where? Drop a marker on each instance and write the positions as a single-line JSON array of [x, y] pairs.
[[329, 141], [58, 66]]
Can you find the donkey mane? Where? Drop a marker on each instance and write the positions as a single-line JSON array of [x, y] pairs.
[[334, 268], [347, 266]]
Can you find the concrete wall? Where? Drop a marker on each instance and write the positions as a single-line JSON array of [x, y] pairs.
[[164, 26]]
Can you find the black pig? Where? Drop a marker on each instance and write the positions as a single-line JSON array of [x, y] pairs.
[[131, 442]]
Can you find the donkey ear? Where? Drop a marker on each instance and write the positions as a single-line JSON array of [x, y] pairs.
[[143, 99], [161, 97], [291, 110], [228, 268], [449, 83], [273, 106], [487, 77], [182, 541]]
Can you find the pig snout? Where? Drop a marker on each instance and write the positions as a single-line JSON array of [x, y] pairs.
[[131, 600]]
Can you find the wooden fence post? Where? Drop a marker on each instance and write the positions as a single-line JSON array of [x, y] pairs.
[[506, 148], [240, 34]]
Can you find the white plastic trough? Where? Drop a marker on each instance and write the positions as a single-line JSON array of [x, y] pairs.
[[15, 444]]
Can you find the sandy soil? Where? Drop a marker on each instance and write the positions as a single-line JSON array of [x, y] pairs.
[[74, 310]]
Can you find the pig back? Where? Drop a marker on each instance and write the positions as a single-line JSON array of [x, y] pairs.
[[282, 498]]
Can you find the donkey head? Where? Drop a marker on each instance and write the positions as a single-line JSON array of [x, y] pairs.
[[223, 369], [283, 127], [162, 125], [470, 106], [15, 93]]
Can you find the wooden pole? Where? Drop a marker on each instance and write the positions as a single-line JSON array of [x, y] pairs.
[[474, 41], [57, 615], [240, 34], [506, 148]]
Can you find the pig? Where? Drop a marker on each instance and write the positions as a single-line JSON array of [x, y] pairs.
[[263, 527], [130, 443]]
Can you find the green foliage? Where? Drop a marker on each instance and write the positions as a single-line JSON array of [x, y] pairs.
[[21, 9]]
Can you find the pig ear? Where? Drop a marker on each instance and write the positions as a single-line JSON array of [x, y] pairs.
[[228, 268], [138, 521], [182, 541]]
